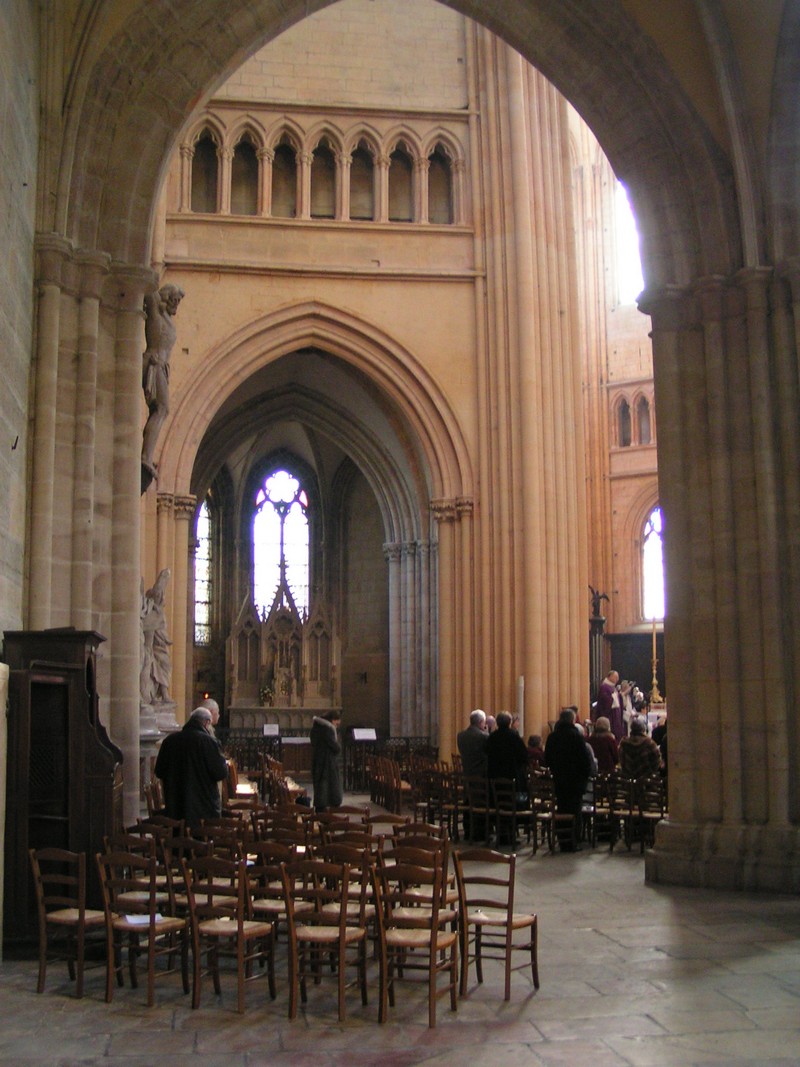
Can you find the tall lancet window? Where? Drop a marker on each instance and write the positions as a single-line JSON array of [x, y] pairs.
[[202, 576], [280, 542], [653, 567]]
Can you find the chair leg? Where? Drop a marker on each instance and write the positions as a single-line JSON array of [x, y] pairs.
[[535, 953], [80, 949]]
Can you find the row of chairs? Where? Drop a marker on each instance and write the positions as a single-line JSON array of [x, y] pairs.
[[326, 898], [496, 810]]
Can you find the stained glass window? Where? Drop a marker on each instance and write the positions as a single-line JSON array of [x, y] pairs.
[[202, 577], [280, 541], [653, 567]]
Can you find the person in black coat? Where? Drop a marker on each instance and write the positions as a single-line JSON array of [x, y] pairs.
[[325, 750], [507, 754], [191, 765], [566, 755]]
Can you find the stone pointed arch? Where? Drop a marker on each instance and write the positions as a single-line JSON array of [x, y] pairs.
[[681, 187], [391, 367]]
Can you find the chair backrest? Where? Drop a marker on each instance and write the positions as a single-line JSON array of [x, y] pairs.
[[356, 813], [59, 879], [409, 893], [485, 879], [139, 839], [129, 881], [217, 888], [322, 888], [419, 829]]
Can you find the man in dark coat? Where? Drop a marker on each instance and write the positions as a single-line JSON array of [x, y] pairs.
[[507, 754], [325, 749], [566, 755], [191, 765], [472, 746]]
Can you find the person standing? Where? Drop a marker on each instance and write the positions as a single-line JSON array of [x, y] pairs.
[[213, 707], [565, 753], [325, 751], [609, 704], [604, 746], [191, 764], [472, 746], [506, 754]]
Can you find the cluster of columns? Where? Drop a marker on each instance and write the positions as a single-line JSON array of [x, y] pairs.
[[725, 360], [86, 446]]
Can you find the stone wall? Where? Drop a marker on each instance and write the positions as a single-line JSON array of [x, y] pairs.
[[18, 154], [359, 52]]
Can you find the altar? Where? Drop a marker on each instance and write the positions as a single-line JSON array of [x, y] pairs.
[[253, 717]]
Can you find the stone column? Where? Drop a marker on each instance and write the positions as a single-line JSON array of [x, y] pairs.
[[382, 164], [131, 285], [410, 698], [266, 157], [304, 160], [343, 163], [421, 170], [165, 545], [458, 179], [391, 553], [444, 513], [187, 158], [52, 252], [185, 507], [728, 623], [93, 270], [225, 156]]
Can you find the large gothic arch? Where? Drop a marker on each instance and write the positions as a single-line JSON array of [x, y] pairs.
[[685, 234], [725, 343], [393, 370]]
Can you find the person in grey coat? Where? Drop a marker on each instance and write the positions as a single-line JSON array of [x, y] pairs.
[[325, 750]]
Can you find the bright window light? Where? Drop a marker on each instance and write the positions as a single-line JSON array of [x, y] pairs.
[[630, 281]]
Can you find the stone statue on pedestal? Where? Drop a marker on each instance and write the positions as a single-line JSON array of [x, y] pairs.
[[155, 674]]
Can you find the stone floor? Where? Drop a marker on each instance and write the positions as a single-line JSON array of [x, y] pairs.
[[630, 974]]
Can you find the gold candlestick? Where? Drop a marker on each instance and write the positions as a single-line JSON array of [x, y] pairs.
[[655, 696]]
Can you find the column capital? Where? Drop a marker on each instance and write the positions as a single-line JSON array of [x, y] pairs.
[[165, 503], [670, 306], [391, 551], [443, 510], [266, 153], [464, 505], [131, 284], [184, 507], [755, 281], [52, 252], [93, 267], [187, 151]]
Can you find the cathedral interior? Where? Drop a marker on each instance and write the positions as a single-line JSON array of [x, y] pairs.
[[402, 343]]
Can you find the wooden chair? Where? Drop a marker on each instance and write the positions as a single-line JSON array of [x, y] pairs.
[[65, 923], [413, 932], [222, 925], [479, 805], [650, 808], [356, 813], [543, 806], [322, 922], [138, 910], [622, 810], [487, 919], [508, 812], [154, 797]]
